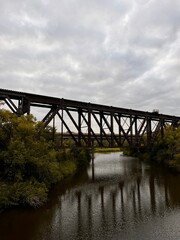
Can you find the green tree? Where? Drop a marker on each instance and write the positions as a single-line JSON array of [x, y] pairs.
[[29, 161]]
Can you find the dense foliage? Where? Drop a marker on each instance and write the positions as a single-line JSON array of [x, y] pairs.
[[164, 151], [167, 149], [30, 162]]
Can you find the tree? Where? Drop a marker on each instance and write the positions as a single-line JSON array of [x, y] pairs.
[[30, 161]]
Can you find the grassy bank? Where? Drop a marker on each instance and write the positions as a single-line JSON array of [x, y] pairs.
[[106, 150], [30, 162]]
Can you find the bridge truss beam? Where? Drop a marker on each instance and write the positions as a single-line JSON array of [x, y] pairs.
[[88, 123]]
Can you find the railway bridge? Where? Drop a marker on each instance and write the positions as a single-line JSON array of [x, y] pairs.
[[88, 123]]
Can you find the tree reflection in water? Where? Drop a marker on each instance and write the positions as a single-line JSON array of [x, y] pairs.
[[118, 198]]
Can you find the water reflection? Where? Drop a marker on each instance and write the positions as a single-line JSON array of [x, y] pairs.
[[116, 199]]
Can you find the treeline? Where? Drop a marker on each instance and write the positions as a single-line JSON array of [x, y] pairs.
[[165, 150], [30, 161]]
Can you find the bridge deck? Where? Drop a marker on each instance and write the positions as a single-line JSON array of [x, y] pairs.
[[47, 101]]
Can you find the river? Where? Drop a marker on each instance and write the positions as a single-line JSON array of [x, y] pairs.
[[118, 197]]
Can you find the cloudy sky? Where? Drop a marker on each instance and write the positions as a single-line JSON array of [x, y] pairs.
[[124, 53]]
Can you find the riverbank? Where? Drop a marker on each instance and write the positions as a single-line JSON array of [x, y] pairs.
[[165, 150], [159, 155], [106, 150], [31, 161], [34, 191]]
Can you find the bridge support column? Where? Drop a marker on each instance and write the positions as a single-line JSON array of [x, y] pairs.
[[54, 122], [136, 143], [131, 129], [162, 127], [62, 126], [79, 126], [119, 125], [101, 128], [112, 131], [149, 132], [23, 106], [90, 141]]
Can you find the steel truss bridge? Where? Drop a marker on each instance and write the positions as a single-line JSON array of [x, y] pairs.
[[88, 123]]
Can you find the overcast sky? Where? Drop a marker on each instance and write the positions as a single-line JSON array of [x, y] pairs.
[[124, 53]]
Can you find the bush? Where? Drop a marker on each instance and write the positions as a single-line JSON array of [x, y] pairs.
[[82, 156], [31, 193]]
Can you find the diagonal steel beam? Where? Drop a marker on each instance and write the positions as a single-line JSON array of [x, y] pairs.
[[130, 130], [122, 130], [141, 127], [80, 134], [111, 130], [50, 115], [91, 130], [101, 129], [156, 131], [66, 126], [10, 104]]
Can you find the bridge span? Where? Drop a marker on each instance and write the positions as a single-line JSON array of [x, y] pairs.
[[88, 123]]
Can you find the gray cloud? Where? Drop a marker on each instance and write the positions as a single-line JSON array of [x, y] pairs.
[[121, 53]]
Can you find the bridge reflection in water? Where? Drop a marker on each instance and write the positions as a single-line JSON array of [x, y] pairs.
[[120, 198]]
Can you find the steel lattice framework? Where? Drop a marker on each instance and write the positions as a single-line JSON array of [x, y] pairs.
[[88, 123]]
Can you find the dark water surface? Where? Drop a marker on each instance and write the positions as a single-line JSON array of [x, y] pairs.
[[120, 198]]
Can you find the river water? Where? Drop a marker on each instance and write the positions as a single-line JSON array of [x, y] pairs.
[[118, 197]]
